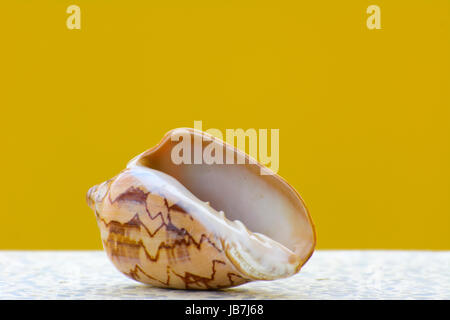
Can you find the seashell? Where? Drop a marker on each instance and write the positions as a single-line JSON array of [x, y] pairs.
[[201, 226]]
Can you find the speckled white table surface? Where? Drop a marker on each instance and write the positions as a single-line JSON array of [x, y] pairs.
[[327, 275]]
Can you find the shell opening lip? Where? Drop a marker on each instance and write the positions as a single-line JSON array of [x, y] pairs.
[[294, 229]]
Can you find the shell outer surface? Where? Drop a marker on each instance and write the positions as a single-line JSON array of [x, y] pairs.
[[153, 240]]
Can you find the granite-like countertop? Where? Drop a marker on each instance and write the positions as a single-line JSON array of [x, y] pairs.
[[327, 275]]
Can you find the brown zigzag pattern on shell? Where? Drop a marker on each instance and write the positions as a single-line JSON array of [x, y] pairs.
[[115, 227], [138, 195], [118, 228]]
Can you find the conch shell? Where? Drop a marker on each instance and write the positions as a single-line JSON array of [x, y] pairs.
[[201, 226]]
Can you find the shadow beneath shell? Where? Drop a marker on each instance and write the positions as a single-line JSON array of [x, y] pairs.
[[242, 292]]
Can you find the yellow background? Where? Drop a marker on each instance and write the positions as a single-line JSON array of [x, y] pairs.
[[363, 114]]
